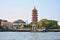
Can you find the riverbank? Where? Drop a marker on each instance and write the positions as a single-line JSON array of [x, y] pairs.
[[53, 30], [28, 30]]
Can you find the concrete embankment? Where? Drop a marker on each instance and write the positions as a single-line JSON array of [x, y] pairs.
[[20, 30], [28, 30], [53, 30]]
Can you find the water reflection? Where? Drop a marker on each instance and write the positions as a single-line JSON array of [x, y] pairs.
[[34, 36], [29, 35]]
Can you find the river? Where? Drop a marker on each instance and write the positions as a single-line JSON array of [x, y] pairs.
[[29, 35]]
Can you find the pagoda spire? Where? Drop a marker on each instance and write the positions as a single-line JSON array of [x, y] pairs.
[[34, 19], [34, 15]]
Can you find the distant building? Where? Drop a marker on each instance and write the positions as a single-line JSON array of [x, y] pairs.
[[4, 23], [10, 25], [17, 24]]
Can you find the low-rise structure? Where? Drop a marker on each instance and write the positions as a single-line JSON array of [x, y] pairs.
[[18, 24], [4, 23], [10, 25]]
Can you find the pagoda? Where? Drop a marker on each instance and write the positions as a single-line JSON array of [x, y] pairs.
[[34, 19], [34, 15]]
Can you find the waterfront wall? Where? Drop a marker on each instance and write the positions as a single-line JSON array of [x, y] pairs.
[[53, 30], [28, 30]]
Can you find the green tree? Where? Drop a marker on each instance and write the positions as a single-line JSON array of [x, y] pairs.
[[27, 25], [0, 21], [49, 24], [5, 27], [1, 28]]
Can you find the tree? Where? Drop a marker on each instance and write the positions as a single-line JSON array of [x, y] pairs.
[[0, 21], [49, 24], [5, 26], [1, 28], [27, 25]]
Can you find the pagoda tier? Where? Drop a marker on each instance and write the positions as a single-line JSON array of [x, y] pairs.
[[34, 15]]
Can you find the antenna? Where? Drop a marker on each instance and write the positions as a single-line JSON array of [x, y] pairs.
[[34, 3]]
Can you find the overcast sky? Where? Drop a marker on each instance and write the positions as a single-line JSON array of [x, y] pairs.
[[12, 10]]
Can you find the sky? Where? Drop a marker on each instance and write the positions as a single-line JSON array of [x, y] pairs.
[[12, 10]]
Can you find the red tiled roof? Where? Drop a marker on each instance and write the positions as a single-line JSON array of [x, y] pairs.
[[19, 20]]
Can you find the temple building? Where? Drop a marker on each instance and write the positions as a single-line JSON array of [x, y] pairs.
[[34, 15], [18, 24], [34, 19]]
